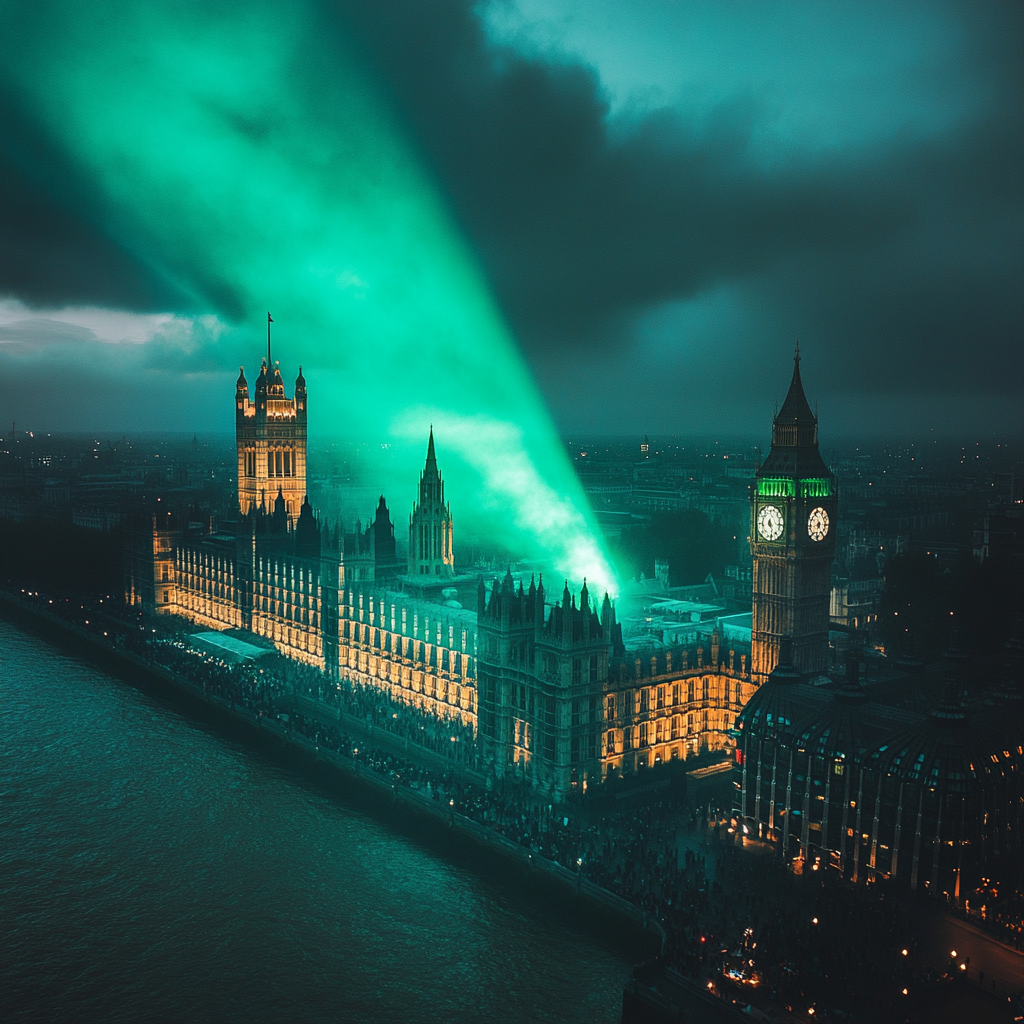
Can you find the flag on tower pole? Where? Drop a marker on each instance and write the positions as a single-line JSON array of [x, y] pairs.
[[270, 320]]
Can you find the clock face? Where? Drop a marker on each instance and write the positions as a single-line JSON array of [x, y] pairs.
[[770, 522], [817, 524]]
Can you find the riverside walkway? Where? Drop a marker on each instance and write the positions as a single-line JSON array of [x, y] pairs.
[[690, 888], [414, 781]]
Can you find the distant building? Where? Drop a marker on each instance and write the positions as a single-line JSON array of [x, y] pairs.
[[855, 600]]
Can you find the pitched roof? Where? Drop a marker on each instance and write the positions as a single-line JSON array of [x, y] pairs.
[[796, 409]]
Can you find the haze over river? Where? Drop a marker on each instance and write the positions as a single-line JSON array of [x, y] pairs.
[[154, 868]]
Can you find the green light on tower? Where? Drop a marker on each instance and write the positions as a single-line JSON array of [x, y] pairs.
[[816, 487], [241, 151], [776, 487]]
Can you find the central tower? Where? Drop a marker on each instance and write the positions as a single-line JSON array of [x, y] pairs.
[[792, 541], [430, 525]]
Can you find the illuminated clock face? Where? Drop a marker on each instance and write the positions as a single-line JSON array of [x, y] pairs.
[[770, 522], [817, 524]]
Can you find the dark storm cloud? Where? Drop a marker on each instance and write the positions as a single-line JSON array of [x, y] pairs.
[[903, 256], [51, 252], [574, 225], [908, 248]]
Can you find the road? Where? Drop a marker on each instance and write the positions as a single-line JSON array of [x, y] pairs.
[[942, 934]]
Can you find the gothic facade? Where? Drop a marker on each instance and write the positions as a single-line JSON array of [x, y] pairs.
[[564, 705], [550, 691], [793, 511], [270, 439], [430, 525]]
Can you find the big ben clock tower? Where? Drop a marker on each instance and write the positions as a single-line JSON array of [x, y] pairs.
[[792, 540]]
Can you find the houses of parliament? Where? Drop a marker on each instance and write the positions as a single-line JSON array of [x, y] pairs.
[[554, 694]]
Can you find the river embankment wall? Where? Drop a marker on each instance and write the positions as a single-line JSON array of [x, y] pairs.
[[396, 800]]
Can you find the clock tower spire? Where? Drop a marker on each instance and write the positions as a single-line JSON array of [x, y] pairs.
[[792, 540]]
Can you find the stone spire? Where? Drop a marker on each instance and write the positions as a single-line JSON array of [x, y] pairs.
[[795, 423], [430, 525]]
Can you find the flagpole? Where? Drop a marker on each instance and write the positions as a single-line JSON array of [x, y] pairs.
[[270, 320]]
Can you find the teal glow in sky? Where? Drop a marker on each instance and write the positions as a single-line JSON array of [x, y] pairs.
[[660, 196], [252, 166]]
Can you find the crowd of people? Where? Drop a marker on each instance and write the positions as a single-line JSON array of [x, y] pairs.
[[732, 919], [448, 736], [244, 684], [999, 909]]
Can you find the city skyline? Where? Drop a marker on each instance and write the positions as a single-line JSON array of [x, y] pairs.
[[512, 510]]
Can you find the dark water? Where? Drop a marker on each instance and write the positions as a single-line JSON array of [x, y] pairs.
[[153, 869]]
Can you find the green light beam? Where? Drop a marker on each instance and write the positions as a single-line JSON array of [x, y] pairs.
[[241, 151]]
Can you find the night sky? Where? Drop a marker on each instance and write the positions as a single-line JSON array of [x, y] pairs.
[[662, 199]]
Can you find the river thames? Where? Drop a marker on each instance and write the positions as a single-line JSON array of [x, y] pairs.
[[154, 868]]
